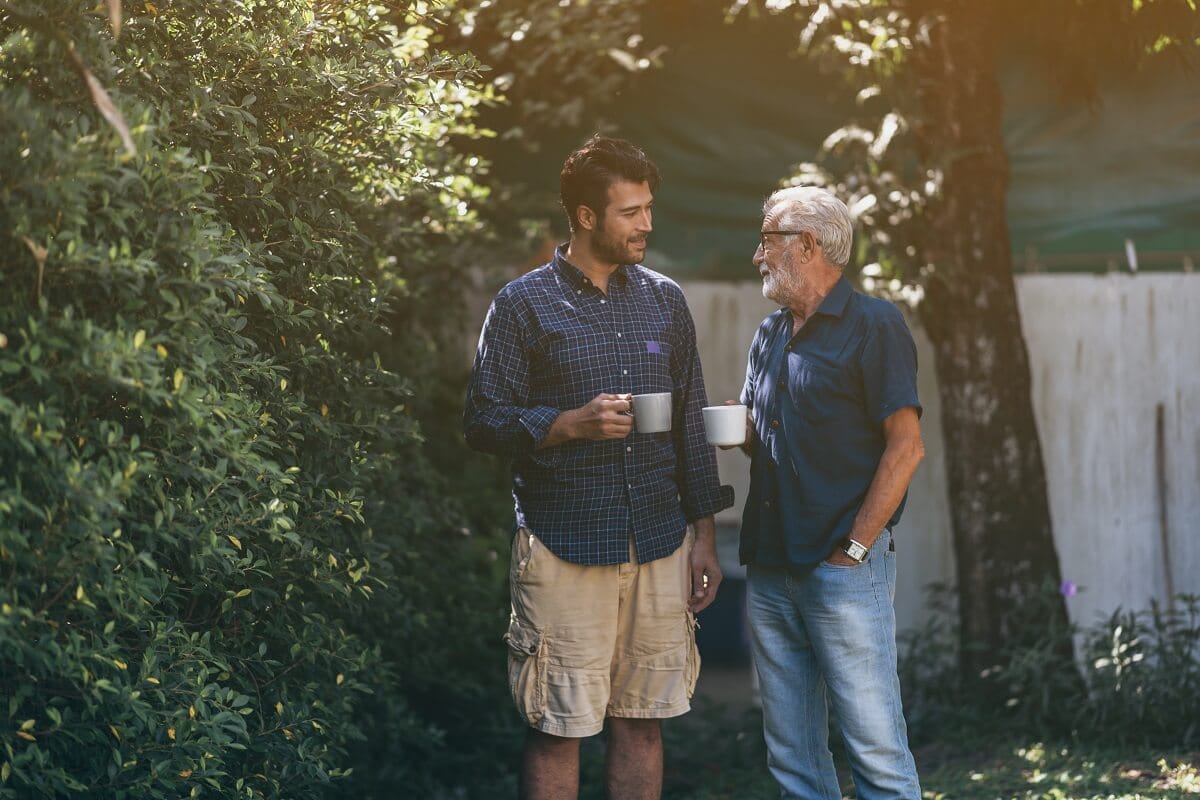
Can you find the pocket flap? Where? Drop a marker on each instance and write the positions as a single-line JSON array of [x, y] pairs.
[[522, 640]]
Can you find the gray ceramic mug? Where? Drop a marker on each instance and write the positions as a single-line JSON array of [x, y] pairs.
[[652, 412]]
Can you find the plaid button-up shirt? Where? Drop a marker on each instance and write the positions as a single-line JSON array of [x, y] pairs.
[[551, 342]]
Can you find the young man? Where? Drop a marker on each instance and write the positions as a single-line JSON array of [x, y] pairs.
[[831, 386], [615, 545]]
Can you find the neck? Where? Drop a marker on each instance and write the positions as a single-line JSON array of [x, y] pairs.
[[811, 295], [579, 253]]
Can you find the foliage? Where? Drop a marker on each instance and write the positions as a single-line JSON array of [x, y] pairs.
[[550, 59], [225, 558], [1141, 672], [1144, 674], [885, 161]]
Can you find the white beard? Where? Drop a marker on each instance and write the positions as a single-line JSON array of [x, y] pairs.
[[781, 285]]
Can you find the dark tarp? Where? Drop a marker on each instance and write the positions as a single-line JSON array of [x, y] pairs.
[[730, 113]]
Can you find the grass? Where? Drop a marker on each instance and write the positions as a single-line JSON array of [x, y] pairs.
[[715, 754]]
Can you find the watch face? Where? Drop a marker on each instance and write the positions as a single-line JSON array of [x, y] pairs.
[[856, 551]]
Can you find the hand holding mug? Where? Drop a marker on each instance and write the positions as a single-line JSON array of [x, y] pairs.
[[606, 416]]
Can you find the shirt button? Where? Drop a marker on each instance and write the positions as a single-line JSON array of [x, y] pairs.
[[774, 423], [602, 302], [624, 372], [618, 335], [579, 291], [766, 504], [628, 449], [629, 486]]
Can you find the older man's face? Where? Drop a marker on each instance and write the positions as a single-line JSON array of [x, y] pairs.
[[782, 277]]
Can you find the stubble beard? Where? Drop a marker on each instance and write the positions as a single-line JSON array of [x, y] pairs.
[[610, 250]]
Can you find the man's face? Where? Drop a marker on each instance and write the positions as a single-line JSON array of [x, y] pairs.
[[621, 230], [782, 277]]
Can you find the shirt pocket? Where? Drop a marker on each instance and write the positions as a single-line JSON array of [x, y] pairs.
[[652, 359], [820, 393]]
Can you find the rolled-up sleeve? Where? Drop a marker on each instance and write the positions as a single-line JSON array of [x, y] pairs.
[[497, 417], [701, 494]]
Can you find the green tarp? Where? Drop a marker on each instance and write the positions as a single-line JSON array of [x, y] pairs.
[[730, 113]]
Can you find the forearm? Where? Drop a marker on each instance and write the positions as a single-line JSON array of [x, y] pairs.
[[895, 472]]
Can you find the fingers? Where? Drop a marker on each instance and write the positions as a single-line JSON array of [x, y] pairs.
[[706, 578], [610, 416], [616, 425]]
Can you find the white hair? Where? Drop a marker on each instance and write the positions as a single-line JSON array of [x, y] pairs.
[[817, 211]]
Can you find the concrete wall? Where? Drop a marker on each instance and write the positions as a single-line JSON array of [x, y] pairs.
[[1107, 353]]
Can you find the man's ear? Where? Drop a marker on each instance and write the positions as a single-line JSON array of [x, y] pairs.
[[808, 246], [585, 218]]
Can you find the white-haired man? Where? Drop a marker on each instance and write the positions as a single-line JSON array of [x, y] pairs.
[[831, 386]]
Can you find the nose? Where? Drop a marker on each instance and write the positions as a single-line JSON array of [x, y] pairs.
[[645, 223], [760, 255]]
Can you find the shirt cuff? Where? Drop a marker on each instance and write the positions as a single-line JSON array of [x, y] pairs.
[[537, 422], [709, 503]]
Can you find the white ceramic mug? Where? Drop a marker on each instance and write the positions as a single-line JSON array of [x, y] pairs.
[[725, 426], [652, 412]]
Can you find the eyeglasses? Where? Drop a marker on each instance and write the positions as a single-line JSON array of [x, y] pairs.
[[762, 237]]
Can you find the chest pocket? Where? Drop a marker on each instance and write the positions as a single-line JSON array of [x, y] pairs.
[[819, 393], [652, 358]]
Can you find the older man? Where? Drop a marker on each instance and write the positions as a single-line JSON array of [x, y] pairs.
[[832, 388]]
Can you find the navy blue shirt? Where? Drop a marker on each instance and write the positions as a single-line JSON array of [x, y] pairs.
[[551, 342], [818, 400]]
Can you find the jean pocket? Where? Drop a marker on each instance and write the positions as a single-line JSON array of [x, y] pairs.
[[527, 669], [845, 567]]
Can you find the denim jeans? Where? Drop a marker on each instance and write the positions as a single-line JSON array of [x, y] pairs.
[[827, 639]]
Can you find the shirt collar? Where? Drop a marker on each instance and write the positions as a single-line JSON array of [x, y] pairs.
[[834, 303], [575, 276]]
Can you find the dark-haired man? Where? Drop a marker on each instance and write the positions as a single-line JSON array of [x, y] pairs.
[[614, 550]]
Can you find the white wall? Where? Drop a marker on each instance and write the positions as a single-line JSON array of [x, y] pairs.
[[1104, 352]]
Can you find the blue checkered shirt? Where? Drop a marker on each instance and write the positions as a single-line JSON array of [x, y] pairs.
[[551, 342]]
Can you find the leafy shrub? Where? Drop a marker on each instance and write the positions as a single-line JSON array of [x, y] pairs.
[[1136, 680], [1144, 674], [226, 562]]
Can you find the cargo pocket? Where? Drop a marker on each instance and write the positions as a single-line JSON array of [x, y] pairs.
[[692, 670], [527, 670]]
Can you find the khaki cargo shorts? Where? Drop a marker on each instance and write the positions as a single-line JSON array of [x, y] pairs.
[[589, 642]]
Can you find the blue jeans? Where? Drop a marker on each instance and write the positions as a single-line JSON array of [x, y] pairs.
[[828, 639]]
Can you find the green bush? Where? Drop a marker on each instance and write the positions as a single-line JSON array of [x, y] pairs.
[[1137, 681], [1144, 674], [227, 566]]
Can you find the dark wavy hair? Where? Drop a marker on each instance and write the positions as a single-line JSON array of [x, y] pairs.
[[599, 163]]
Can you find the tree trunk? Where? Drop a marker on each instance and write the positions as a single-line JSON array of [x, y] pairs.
[[1004, 546]]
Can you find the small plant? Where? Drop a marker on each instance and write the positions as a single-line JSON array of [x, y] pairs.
[[1143, 671], [1137, 680]]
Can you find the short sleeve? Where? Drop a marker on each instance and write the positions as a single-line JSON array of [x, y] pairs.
[[889, 366]]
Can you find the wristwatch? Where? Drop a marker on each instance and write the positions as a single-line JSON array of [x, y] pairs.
[[855, 549]]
